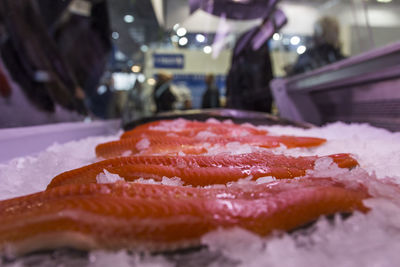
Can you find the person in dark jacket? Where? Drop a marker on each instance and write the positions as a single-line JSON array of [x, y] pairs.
[[211, 95], [248, 79], [163, 96], [326, 48]]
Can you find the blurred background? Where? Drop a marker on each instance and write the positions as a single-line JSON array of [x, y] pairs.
[[74, 60]]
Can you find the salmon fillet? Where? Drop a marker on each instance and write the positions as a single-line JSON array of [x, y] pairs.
[[150, 144], [199, 170], [182, 127], [160, 218]]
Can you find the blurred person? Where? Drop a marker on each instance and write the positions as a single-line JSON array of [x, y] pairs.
[[183, 96], [53, 61], [326, 47], [138, 104], [211, 95], [102, 101], [248, 80], [162, 94]]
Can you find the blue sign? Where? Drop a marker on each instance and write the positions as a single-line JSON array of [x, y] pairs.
[[168, 61]]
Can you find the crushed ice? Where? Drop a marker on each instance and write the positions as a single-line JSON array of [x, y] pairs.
[[170, 126], [204, 135], [124, 259], [26, 175], [143, 144], [173, 181], [106, 177]]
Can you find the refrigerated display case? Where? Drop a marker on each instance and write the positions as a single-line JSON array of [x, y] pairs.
[[363, 88]]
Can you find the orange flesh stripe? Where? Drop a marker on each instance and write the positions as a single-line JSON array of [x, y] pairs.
[[173, 150], [199, 170], [190, 128], [166, 144], [158, 217]]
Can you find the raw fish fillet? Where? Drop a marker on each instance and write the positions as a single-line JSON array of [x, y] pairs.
[[171, 144], [199, 170], [160, 218], [182, 127]]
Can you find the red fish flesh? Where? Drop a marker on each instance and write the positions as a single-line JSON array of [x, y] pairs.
[[199, 170], [182, 127], [171, 144], [160, 218]]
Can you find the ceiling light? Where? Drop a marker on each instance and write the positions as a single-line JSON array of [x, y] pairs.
[[207, 49], [136, 68], [141, 78], [181, 32], [101, 89], [151, 81], [183, 41], [176, 26], [115, 35], [129, 18], [301, 49], [383, 1], [200, 38], [295, 40], [276, 36], [144, 48], [174, 38], [120, 56]]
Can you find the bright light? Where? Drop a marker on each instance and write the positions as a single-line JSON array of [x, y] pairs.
[[207, 49], [144, 48], [295, 40], [123, 81], [136, 68], [183, 41], [115, 35], [174, 38], [129, 18], [383, 1], [120, 56], [200, 38], [151, 81], [181, 32], [101, 89], [176, 26], [141, 78], [301, 49], [276, 36]]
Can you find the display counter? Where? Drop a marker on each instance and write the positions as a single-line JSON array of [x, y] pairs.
[[363, 88], [24, 141]]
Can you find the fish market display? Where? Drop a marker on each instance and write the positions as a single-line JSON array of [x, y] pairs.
[[200, 170], [159, 217], [165, 185]]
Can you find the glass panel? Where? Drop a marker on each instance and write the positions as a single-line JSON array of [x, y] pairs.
[[330, 30]]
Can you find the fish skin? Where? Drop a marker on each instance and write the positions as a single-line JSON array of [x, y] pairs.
[[187, 128], [159, 218], [171, 144], [199, 170]]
